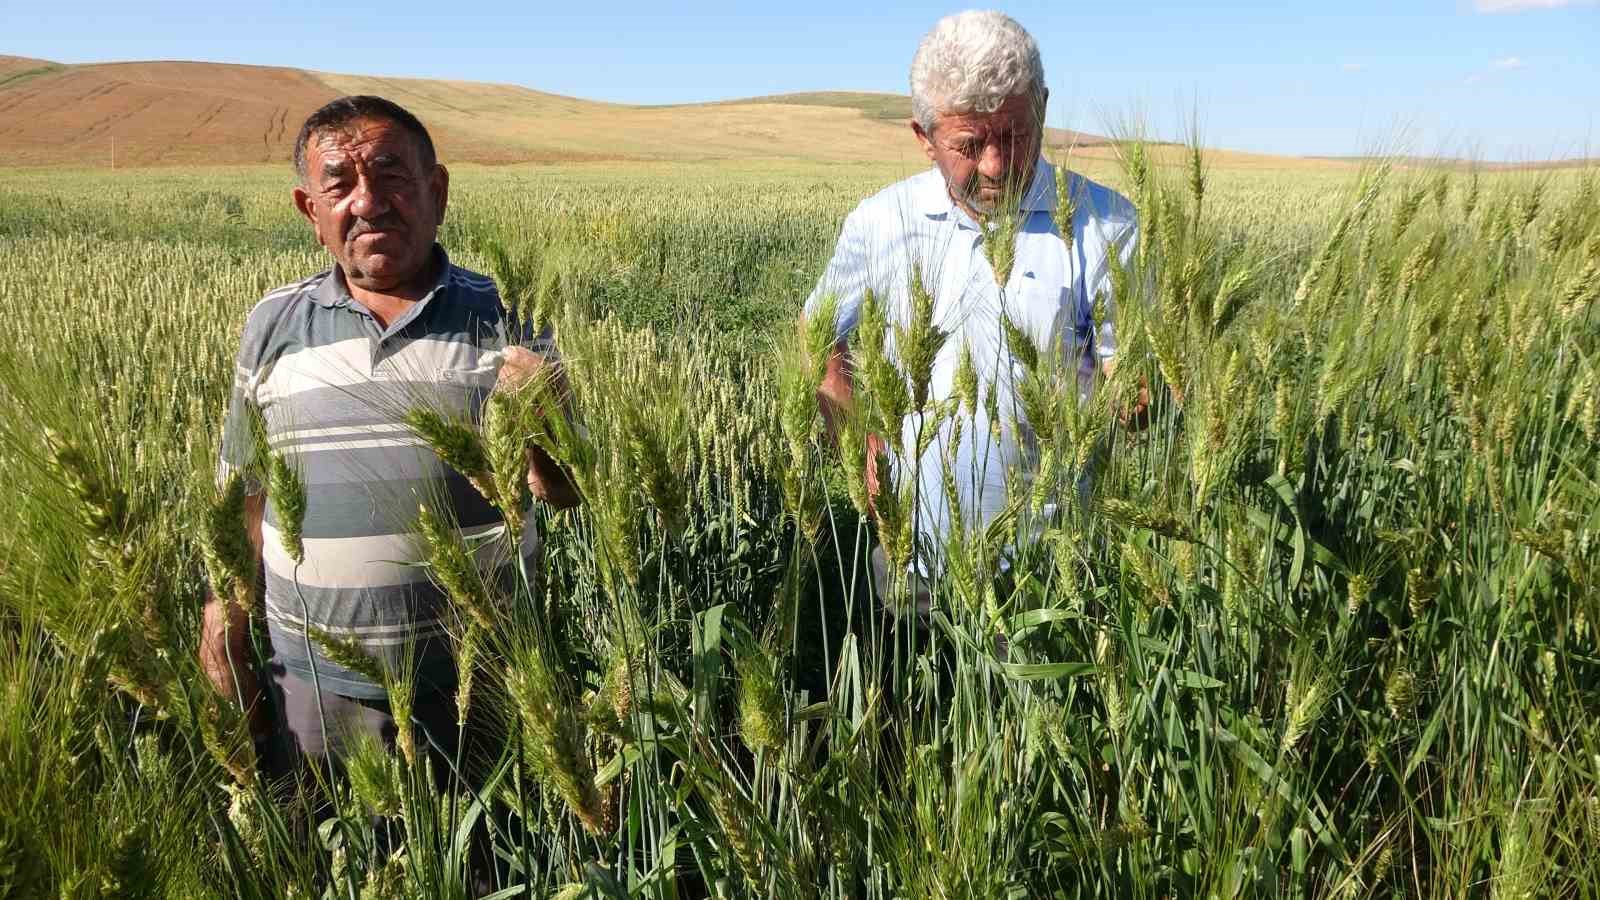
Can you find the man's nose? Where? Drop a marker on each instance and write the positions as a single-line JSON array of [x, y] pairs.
[[366, 202], [994, 160]]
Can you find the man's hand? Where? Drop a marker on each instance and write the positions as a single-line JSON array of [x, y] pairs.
[[1135, 416], [225, 654], [546, 479], [227, 661], [549, 482], [836, 399], [836, 394], [519, 366]]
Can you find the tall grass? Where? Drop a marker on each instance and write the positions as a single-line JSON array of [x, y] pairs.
[[1324, 628]]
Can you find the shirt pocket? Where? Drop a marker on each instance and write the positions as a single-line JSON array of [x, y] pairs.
[[467, 365], [473, 377]]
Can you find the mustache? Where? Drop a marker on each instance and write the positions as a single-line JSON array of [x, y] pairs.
[[367, 226], [1003, 185]]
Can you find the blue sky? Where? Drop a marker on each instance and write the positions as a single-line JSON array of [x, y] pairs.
[[1497, 79]]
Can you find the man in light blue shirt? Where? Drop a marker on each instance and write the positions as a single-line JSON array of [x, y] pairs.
[[978, 99]]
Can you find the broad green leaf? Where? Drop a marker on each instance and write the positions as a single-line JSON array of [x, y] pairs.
[[1045, 671], [707, 666], [1189, 679]]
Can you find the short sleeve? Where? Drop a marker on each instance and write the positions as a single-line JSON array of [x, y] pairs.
[[845, 278]]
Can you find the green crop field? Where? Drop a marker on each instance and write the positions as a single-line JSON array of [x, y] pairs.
[[1327, 627]]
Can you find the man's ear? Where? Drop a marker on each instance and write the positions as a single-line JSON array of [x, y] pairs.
[[304, 203], [923, 138], [439, 184], [307, 205]]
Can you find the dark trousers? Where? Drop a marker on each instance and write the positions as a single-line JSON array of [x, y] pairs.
[[301, 744], [301, 740]]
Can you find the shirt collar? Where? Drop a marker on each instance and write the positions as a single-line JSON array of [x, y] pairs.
[[1039, 197], [334, 292]]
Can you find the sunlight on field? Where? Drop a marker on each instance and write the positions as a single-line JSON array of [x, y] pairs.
[[1327, 628]]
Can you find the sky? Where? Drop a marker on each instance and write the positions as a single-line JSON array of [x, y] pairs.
[[1491, 79]]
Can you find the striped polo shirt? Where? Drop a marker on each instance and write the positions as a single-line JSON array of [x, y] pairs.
[[332, 388]]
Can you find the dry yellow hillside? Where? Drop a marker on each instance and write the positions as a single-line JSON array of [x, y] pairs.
[[492, 122], [172, 113], [163, 113], [151, 112]]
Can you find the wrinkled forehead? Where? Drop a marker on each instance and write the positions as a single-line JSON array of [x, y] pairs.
[[366, 139], [1017, 112]]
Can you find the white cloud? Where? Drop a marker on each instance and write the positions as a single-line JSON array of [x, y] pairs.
[[1352, 67], [1511, 6], [1495, 67]]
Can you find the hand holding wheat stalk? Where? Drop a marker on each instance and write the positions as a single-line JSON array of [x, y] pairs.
[[519, 366], [521, 370]]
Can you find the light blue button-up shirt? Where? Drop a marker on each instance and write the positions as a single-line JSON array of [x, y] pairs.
[[1050, 295]]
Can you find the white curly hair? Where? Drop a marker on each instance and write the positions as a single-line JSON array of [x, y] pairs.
[[971, 62]]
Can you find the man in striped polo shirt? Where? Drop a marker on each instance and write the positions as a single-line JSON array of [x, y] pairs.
[[330, 366]]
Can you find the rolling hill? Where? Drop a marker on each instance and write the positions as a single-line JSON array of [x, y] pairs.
[[162, 113], [175, 113], [171, 113]]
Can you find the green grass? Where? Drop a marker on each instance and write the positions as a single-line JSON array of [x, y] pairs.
[[894, 107], [15, 78], [1326, 628]]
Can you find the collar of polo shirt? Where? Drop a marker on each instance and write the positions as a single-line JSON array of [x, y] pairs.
[[1039, 197], [333, 292]]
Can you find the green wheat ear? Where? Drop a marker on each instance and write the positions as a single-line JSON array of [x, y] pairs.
[[919, 340], [1197, 177], [224, 735], [1066, 211], [1306, 696], [286, 490], [453, 567], [508, 424], [102, 507], [1136, 515], [230, 557], [761, 720], [554, 744], [458, 445], [1000, 233], [375, 779], [883, 385], [348, 654], [733, 817], [802, 363], [467, 651]]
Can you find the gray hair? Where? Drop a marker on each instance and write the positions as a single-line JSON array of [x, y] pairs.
[[971, 62]]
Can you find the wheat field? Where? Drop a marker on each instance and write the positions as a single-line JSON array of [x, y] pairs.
[[1326, 628]]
